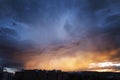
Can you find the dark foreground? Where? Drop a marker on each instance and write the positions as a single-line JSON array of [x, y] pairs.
[[58, 75]]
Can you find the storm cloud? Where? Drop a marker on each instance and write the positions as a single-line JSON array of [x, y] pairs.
[[28, 26]]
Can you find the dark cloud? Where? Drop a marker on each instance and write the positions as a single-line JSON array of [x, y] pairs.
[[98, 5], [113, 29], [25, 24]]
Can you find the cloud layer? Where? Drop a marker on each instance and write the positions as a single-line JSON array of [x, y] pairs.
[[35, 27]]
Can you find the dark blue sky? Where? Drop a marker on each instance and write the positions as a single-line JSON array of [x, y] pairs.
[[28, 24]]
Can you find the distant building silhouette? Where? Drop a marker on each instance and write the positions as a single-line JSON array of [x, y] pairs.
[[8, 76], [57, 75], [1, 68], [40, 75], [5, 75]]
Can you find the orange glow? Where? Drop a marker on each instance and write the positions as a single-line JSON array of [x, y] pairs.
[[66, 59], [104, 70]]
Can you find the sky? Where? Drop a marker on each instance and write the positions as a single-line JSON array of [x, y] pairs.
[[70, 35]]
